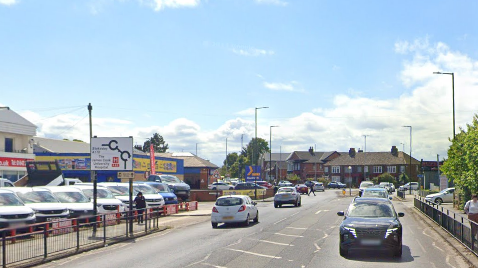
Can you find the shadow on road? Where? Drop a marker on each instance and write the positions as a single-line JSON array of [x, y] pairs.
[[381, 256], [235, 225]]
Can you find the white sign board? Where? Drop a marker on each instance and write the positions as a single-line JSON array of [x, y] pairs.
[[111, 153]]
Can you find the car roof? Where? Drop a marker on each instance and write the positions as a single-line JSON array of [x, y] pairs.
[[371, 200], [61, 188], [375, 189], [287, 187], [229, 196]]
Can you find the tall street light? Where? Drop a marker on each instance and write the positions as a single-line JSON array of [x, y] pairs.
[[453, 96], [254, 148], [270, 150], [410, 164]]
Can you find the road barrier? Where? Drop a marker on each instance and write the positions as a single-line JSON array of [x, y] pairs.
[[456, 225]]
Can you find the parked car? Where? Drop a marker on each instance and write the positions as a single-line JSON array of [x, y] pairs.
[[220, 186], [287, 195], [309, 183], [75, 200], [265, 184], [247, 186], [407, 186], [153, 199], [444, 196], [363, 185], [336, 185], [388, 186], [285, 184], [6, 183], [120, 192], [180, 189], [370, 224], [376, 192], [164, 190], [302, 189], [234, 209], [13, 212], [105, 200], [46, 206], [319, 186]]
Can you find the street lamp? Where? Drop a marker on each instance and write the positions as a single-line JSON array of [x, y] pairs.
[[350, 179], [410, 164], [254, 148], [270, 150], [403, 146], [453, 96]]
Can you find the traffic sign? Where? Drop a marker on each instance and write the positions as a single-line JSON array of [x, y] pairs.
[[216, 175], [126, 175], [253, 173], [111, 153]]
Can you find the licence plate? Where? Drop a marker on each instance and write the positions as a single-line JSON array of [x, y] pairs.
[[181, 192], [371, 242], [52, 219], [228, 218], [286, 195]]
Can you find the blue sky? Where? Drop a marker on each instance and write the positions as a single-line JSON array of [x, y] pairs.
[[193, 71]]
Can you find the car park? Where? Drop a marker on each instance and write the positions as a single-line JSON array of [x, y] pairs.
[[319, 186], [220, 186], [46, 206], [234, 209], [105, 200], [164, 190], [444, 196], [75, 200], [247, 186], [285, 184], [13, 212], [376, 192], [120, 192], [180, 189], [370, 224], [287, 195], [408, 186], [363, 185], [302, 189]]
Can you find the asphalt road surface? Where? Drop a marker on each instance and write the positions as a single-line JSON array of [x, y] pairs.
[[304, 236]]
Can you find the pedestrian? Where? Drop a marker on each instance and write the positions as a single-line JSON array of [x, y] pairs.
[[311, 189], [471, 208], [140, 203]]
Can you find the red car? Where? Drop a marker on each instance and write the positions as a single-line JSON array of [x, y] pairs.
[[302, 188], [264, 184]]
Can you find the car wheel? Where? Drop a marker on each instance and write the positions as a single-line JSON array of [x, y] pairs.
[[231, 188], [438, 201], [214, 225], [296, 203], [275, 205], [300, 203], [343, 252], [246, 223], [213, 188], [256, 219]]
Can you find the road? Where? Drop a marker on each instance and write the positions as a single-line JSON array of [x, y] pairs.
[[285, 237]]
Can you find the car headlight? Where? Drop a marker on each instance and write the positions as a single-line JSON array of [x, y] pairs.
[[175, 198], [351, 230], [31, 214], [391, 230]]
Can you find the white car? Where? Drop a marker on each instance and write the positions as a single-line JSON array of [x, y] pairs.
[[121, 191], [407, 186], [105, 200], [13, 213], [73, 198], [319, 186], [234, 209], [220, 186], [46, 206], [285, 184], [445, 196], [363, 185]]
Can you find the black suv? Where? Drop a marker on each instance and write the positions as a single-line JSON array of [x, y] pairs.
[[247, 186], [179, 188], [371, 223]]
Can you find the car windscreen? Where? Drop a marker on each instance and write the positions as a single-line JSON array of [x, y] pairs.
[[171, 179], [371, 210], [10, 199], [101, 193], [144, 189], [118, 190], [71, 197], [374, 193], [229, 201], [285, 190], [162, 188], [37, 197]]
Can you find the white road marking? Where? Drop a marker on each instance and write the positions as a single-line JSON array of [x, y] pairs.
[[253, 253], [295, 213], [235, 243], [297, 228], [276, 243], [289, 235], [448, 261], [317, 247], [280, 221], [421, 246], [198, 262], [318, 212], [212, 265], [434, 244]]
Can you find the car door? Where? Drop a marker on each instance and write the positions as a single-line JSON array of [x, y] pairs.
[[448, 196], [252, 207]]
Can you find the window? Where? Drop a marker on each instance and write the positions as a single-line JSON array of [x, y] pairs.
[[377, 169], [9, 145], [336, 169], [402, 169], [359, 169], [392, 169], [296, 166], [365, 169], [326, 169]]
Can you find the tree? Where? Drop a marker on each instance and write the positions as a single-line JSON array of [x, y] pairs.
[[159, 145], [257, 148]]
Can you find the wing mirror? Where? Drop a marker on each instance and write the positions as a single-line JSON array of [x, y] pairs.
[[254, 203], [401, 214], [390, 198], [340, 213]]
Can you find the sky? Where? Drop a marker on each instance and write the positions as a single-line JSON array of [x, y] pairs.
[[334, 74]]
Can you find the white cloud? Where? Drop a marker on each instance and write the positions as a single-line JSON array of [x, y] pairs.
[[8, 2], [254, 52], [283, 87], [162, 4], [272, 2]]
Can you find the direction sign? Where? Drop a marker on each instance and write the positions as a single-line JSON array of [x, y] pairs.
[[253, 173], [111, 153], [126, 175]]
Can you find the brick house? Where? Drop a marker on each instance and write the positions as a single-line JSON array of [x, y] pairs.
[[357, 166], [309, 164], [276, 169]]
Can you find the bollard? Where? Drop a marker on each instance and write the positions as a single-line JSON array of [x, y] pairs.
[[187, 206], [74, 223], [13, 233], [98, 220]]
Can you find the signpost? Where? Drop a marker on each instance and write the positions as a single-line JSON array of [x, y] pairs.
[[253, 173]]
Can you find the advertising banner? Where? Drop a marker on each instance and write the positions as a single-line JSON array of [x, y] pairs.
[[253, 173], [251, 192], [144, 164], [13, 162], [152, 162]]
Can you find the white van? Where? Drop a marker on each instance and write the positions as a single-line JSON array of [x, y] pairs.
[[13, 212]]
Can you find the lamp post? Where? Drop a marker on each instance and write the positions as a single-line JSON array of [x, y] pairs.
[[453, 96], [197, 149], [403, 146], [410, 164], [226, 160], [270, 150], [350, 179], [254, 148]]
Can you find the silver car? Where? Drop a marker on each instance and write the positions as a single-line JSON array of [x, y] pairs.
[[287, 195]]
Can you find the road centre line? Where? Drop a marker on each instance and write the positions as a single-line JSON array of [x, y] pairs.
[[253, 253], [289, 235], [280, 221], [318, 212], [296, 228], [295, 213], [276, 243]]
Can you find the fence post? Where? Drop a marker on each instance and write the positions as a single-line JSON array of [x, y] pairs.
[[4, 249], [104, 228], [146, 220], [45, 240], [461, 229], [77, 223]]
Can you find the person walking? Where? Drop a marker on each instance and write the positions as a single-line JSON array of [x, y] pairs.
[[140, 202], [312, 190], [471, 209]]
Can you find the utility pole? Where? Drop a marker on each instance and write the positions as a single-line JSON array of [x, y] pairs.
[[92, 172]]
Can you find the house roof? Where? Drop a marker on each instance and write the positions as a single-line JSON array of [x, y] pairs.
[[278, 157], [190, 160], [372, 158], [11, 122], [310, 157]]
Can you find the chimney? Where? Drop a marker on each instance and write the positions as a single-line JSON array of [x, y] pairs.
[[360, 150], [394, 151], [352, 152], [311, 150]]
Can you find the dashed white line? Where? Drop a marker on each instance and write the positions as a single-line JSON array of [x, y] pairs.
[[317, 247], [318, 212], [256, 254], [289, 235], [276, 243], [280, 221], [297, 228]]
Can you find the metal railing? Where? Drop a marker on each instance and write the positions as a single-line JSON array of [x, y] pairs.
[[37, 243], [455, 224]]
